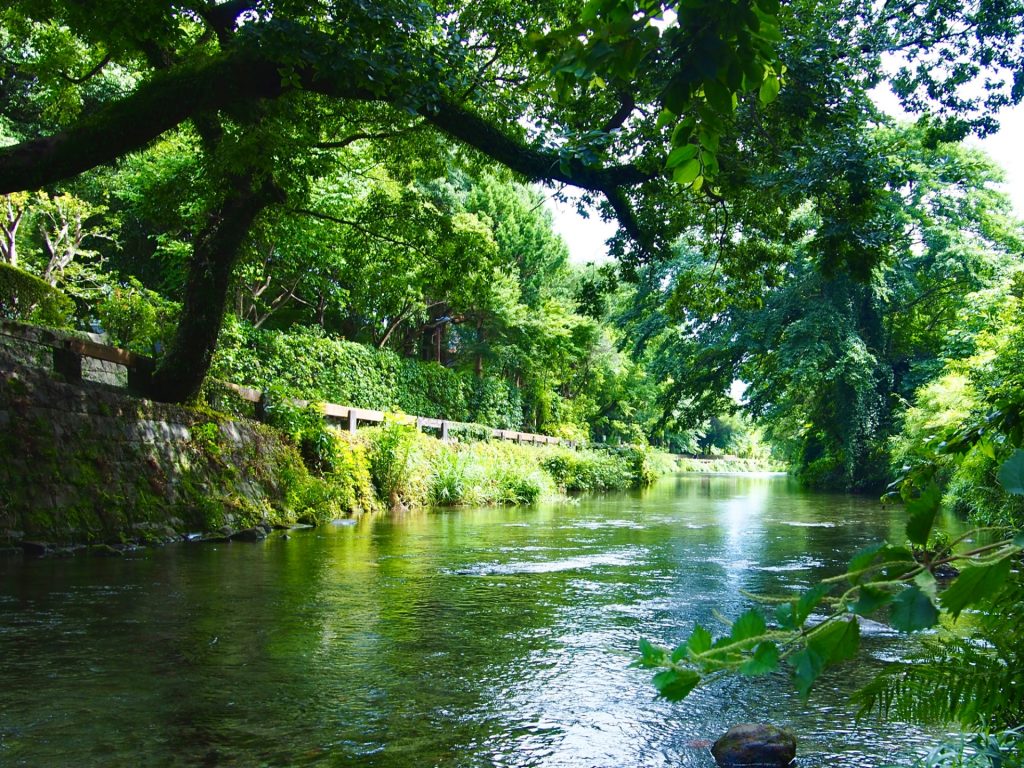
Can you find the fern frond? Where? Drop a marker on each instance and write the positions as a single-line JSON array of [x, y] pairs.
[[954, 688]]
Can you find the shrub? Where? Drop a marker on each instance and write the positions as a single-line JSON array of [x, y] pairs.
[[137, 318], [316, 366], [593, 470], [392, 463], [450, 481], [23, 296], [341, 482], [974, 490]]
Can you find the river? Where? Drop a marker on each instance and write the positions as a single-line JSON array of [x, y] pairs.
[[466, 637]]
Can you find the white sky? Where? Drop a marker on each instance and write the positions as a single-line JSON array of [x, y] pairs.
[[586, 237]]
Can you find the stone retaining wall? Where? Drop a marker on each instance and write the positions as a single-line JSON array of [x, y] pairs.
[[88, 463]]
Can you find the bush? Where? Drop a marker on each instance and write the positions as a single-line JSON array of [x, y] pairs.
[[137, 318], [592, 470], [393, 461], [974, 490], [340, 483], [318, 367], [486, 473], [25, 297]]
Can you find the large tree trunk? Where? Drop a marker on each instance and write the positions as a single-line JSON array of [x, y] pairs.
[[181, 373]]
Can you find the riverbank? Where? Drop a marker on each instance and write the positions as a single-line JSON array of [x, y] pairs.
[[727, 464], [87, 465]]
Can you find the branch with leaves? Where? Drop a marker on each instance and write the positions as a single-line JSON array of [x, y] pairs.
[[903, 580]]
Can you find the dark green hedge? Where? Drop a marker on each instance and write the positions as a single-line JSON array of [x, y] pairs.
[[23, 296], [318, 367]]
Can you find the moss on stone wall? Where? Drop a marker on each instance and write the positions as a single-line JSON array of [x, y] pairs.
[[89, 464]]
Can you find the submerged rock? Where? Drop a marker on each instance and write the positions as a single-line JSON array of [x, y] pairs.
[[105, 550], [249, 534], [36, 548], [755, 745]]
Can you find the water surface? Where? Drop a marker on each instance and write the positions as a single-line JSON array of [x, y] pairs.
[[471, 637]]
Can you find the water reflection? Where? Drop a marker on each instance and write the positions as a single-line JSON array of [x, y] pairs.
[[492, 637]]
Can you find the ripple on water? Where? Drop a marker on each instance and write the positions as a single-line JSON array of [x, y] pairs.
[[581, 562], [800, 564]]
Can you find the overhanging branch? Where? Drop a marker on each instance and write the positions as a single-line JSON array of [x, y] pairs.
[[249, 74]]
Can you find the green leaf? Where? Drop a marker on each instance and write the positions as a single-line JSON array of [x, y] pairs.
[[769, 90], [975, 584], [681, 154], [718, 95], [926, 581], [764, 660], [921, 512], [784, 615], [675, 684], [750, 624], [912, 610], [665, 117], [681, 134], [651, 655], [870, 599], [700, 640], [901, 561], [1018, 540], [687, 172], [808, 601], [864, 559], [836, 641], [1011, 474], [807, 665]]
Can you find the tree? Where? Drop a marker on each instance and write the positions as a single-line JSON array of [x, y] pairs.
[[831, 358], [604, 90]]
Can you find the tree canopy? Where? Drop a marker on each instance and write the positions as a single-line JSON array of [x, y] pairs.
[[663, 112]]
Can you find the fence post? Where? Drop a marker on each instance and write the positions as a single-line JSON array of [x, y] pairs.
[[444, 431], [353, 422], [68, 364]]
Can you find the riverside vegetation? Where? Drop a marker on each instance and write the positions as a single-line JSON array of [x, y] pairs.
[[405, 468], [335, 200]]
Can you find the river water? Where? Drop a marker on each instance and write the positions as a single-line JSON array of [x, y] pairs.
[[469, 637]]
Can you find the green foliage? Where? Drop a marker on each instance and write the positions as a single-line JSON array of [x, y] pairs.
[[986, 749], [318, 367], [393, 464], [1011, 473], [969, 681], [970, 445], [587, 471], [25, 297], [137, 318]]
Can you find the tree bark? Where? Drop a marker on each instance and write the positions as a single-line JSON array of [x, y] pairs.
[[181, 373]]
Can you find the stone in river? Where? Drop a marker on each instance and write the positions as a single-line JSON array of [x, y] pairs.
[[249, 534], [754, 744], [36, 548]]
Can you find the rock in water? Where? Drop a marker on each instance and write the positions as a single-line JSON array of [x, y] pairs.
[[249, 534], [753, 744]]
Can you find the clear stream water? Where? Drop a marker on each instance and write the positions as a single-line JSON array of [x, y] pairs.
[[469, 637]]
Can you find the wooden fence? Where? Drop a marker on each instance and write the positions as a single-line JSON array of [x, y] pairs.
[[68, 353]]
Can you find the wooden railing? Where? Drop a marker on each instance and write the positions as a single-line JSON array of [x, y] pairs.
[[354, 416], [67, 361]]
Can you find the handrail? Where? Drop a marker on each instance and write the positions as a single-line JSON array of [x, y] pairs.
[[69, 351], [355, 415]]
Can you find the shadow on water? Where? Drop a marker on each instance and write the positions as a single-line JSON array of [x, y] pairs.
[[473, 637]]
